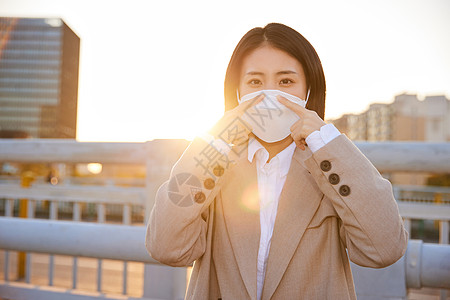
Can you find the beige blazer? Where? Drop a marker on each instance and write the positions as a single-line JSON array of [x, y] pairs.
[[333, 206]]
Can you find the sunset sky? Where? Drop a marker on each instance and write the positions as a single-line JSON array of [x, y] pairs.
[[155, 69]]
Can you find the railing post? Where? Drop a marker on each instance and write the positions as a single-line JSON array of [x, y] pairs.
[[407, 225], [443, 239], [26, 180], [9, 212], [76, 217], [149, 184], [443, 232], [413, 264], [101, 218], [51, 265], [9, 207], [126, 220], [164, 282], [397, 192]]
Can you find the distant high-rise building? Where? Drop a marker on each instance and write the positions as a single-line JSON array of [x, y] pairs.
[[39, 61], [356, 127], [405, 119]]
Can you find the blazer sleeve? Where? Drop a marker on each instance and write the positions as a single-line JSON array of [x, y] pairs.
[[371, 227], [177, 227]]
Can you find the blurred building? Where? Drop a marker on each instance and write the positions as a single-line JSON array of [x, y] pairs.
[[405, 119], [39, 61], [357, 126]]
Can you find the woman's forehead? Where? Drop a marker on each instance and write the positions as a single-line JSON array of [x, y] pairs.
[[268, 59]]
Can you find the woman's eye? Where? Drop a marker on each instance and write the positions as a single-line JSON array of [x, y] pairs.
[[254, 82], [286, 81]]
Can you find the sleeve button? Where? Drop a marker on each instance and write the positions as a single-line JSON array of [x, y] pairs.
[[209, 183], [334, 178], [218, 170], [344, 190], [325, 165], [199, 197]]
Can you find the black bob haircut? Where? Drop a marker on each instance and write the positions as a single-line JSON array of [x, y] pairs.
[[290, 41]]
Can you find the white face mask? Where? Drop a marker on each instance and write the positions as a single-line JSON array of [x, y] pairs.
[[271, 121]]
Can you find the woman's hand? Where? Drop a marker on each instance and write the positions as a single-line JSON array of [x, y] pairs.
[[308, 123], [231, 127]]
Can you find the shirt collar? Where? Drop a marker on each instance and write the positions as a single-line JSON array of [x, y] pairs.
[[285, 156], [253, 146]]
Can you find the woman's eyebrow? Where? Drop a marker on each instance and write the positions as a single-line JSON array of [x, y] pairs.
[[286, 72], [254, 73], [278, 73]]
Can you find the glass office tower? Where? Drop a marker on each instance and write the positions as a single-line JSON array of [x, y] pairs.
[[39, 61]]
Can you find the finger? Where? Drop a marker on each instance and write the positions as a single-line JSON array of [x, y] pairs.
[[303, 144], [296, 125], [298, 109], [297, 136], [247, 104], [299, 145]]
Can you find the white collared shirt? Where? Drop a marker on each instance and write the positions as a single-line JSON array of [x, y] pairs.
[[271, 179]]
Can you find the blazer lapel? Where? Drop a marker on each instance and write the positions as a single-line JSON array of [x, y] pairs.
[[240, 203], [299, 200]]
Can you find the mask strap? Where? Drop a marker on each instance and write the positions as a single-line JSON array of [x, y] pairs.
[[237, 95], [307, 96]]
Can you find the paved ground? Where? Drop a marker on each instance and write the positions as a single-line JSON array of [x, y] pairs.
[[112, 275]]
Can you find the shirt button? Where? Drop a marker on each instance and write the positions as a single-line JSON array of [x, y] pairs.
[[325, 165], [199, 197], [344, 190], [334, 178], [218, 170], [209, 183]]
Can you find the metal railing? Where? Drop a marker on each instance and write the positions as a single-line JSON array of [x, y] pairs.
[[157, 160], [158, 157], [108, 241]]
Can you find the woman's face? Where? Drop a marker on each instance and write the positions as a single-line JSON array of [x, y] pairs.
[[269, 68]]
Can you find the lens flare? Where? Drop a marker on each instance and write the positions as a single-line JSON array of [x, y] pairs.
[[250, 198], [95, 168]]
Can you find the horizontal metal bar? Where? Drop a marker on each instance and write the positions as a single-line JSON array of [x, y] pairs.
[[424, 211], [73, 193], [386, 156], [67, 150], [74, 180], [422, 188], [119, 242], [407, 156], [64, 150]]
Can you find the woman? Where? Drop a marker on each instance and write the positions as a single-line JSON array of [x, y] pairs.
[[272, 202]]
